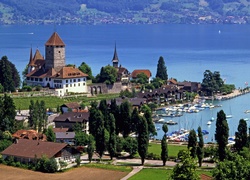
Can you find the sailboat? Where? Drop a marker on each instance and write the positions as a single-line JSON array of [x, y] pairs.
[[229, 115], [209, 123]]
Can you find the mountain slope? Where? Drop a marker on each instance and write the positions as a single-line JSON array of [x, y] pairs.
[[124, 11]]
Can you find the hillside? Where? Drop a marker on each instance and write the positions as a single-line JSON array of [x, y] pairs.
[[124, 11]]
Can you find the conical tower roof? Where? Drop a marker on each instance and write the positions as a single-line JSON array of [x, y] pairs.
[[115, 57], [31, 62], [55, 40], [37, 56]]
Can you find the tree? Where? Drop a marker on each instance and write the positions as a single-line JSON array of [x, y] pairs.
[[125, 110], [142, 78], [130, 145], [192, 142], [165, 128], [134, 120], [104, 109], [7, 114], [90, 148], [221, 134], [241, 136], [235, 167], [143, 138], [108, 75], [148, 115], [81, 138], [186, 169], [112, 137], [9, 78], [161, 69], [114, 109], [86, 69], [100, 134], [200, 150], [51, 137], [164, 149], [93, 118]]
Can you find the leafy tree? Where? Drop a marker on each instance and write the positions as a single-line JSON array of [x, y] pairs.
[[81, 138], [45, 164], [108, 75], [241, 135], [100, 134], [165, 128], [200, 150], [164, 149], [93, 118], [235, 167], [186, 169], [141, 78], [25, 72], [51, 137], [130, 145], [125, 109], [104, 109], [134, 120], [7, 114], [9, 78], [157, 82], [91, 147], [148, 115], [192, 142], [1, 88], [112, 137], [126, 93], [161, 70], [221, 134], [143, 138], [114, 109], [86, 69]]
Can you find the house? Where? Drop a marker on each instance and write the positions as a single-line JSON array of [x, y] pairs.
[[72, 106], [29, 134], [69, 119], [139, 71], [52, 72], [65, 137], [189, 86], [25, 151]]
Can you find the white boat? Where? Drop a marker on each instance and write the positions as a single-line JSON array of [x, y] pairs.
[[246, 119], [212, 119], [229, 116], [209, 123]]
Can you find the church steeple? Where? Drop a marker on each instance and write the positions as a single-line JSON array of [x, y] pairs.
[[31, 57], [115, 59]]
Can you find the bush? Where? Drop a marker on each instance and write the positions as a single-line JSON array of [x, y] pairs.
[[153, 156], [46, 165]]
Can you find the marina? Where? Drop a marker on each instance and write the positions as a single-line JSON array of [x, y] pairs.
[[206, 118]]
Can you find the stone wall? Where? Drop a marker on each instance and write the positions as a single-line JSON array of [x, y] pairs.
[[101, 88]]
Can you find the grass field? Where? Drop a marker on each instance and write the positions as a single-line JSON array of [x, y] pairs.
[[172, 149], [53, 102], [152, 173]]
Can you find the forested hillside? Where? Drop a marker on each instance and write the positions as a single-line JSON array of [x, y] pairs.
[[124, 11]]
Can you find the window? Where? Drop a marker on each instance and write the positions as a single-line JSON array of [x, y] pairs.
[[67, 85], [70, 85], [84, 84], [74, 85], [49, 79], [70, 80], [66, 81], [28, 78], [79, 84], [79, 80], [46, 79], [74, 80]]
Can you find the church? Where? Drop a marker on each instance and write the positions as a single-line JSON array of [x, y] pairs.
[[51, 71]]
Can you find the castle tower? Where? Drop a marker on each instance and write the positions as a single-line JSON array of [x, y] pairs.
[[115, 59], [54, 52], [31, 63]]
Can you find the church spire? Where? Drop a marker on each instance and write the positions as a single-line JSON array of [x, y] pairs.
[[115, 59], [31, 57]]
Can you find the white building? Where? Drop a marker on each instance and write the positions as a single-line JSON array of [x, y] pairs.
[[51, 72]]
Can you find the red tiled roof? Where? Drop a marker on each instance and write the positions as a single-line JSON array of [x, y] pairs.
[[69, 72], [31, 148], [172, 81], [138, 71], [29, 134], [55, 40], [72, 105], [37, 60]]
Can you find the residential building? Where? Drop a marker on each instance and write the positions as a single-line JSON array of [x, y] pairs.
[[25, 151], [69, 119], [65, 137], [51, 72], [147, 72]]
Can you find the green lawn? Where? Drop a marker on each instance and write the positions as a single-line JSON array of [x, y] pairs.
[[52, 101], [153, 173], [172, 149]]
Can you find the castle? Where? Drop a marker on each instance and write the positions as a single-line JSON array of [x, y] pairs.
[[51, 72]]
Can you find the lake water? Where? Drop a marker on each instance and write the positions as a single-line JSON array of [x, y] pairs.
[[188, 51]]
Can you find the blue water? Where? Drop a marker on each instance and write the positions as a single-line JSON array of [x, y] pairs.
[[188, 51]]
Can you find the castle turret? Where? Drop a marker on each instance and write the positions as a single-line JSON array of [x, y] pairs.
[[115, 59], [54, 52]]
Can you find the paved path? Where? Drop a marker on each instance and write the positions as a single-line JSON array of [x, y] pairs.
[[135, 170]]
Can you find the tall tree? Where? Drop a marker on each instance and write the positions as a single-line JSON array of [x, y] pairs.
[[200, 150], [125, 110], [241, 136], [93, 118], [221, 134], [114, 109], [91, 147], [148, 115], [192, 143], [104, 109], [165, 128], [112, 137], [86, 69], [108, 75], [9, 78], [164, 148], [135, 120], [161, 69], [186, 169], [130, 145], [51, 137], [100, 134], [143, 139]]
